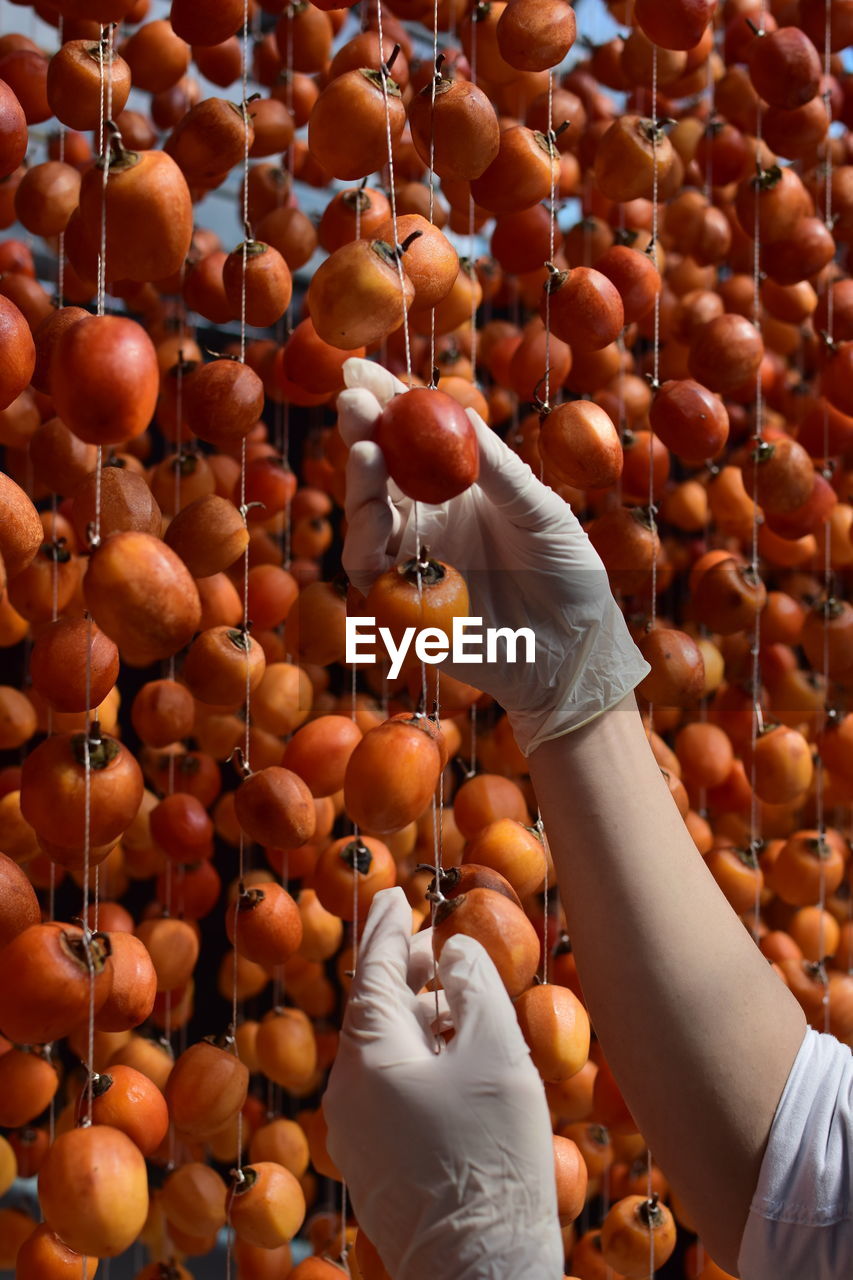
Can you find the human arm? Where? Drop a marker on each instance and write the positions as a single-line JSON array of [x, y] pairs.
[[699, 1032]]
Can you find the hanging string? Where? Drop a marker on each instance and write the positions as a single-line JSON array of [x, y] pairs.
[[653, 247], [383, 77], [546, 933], [60, 263], [820, 777], [238, 1171], [552, 219], [757, 725], [433, 88]]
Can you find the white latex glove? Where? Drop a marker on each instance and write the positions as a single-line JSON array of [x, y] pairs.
[[525, 558], [448, 1156]]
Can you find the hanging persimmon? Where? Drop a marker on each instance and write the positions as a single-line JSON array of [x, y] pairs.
[[142, 596], [144, 190], [584, 306], [454, 125], [17, 352], [104, 379], [429, 445], [360, 294], [263, 273], [33, 1011], [521, 174], [80, 75], [535, 36], [13, 131], [93, 1190], [209, 140], [580, 445], [205, 22], [223, 401], [371, 103]]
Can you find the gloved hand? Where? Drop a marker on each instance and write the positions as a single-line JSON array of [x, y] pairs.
[[448, 1156], [525, 558]]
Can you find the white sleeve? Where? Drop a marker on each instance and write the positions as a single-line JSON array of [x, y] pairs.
[[800, 1224]]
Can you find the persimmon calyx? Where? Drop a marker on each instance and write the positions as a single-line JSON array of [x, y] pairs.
[[650, 1212], [766, 179], [100, 1083], [382, 80], [241, 765], [422, 567], [243, 1179], [90, 951], [57, 550], [249, 899], [99, 751], [447, 907], [121, 158], [356, 856]]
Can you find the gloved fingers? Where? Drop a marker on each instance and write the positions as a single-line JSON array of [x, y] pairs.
[[364, 556], [380, 995], [421, 960], [371, 519], [367, 476], [482, 1012], [358, 410], [373, 378], [436, 1017], [510, 484]]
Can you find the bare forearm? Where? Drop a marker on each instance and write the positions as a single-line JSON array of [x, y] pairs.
[[700, 1033]]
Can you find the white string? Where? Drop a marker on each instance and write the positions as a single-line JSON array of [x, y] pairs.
[[552, 218], [820, 778], [383, 78], [235, 1012], [433, 88], [757, 725], [655, 359]]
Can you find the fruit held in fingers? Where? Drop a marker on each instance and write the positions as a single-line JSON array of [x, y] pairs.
[[429, 444]]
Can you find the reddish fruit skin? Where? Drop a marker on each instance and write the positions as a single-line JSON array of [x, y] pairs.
[[36, 1009], [132, 1103], [105, 379], [13, 131], [784, 68], [690, 420], [19, 906], [674, 26], [17, 351], [495, 922], [93, 1189], [429, 444]]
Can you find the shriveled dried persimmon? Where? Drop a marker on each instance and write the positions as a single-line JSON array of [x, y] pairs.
[[359, 97], [265, 275], [58, 664], [207, 1086], [142, 596]]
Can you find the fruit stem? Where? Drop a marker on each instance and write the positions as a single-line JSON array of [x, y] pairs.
[[357, 856], [386, 66], [241, 765], [409, 241]]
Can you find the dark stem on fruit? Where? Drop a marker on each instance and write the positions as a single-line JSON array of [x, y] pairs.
[[357, 856]]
